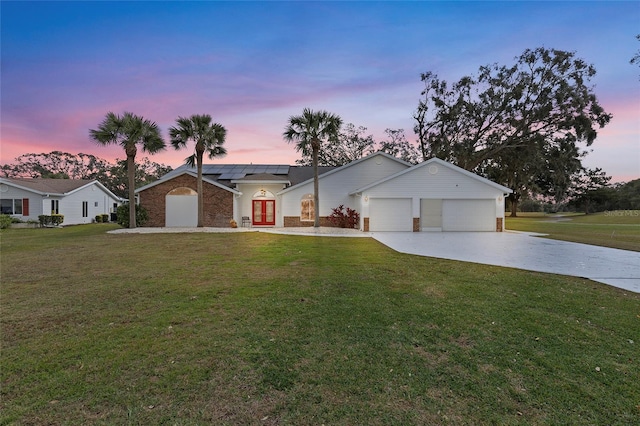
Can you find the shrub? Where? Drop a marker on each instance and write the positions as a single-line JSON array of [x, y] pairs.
[[5, 221], [53, 220], [123, 215], [105, 217], [98, 218], [57, 219], [344, 219]]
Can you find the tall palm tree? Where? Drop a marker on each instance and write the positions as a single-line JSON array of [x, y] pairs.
[[308, 131], [208, 137], [129, 131]]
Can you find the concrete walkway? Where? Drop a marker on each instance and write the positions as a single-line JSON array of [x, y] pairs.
[[618, 268]]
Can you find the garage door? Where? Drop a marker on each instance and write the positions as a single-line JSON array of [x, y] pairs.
[[468, 215], [390, 214], [182, 208]]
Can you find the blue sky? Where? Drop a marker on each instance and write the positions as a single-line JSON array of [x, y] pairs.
[[251, 65]]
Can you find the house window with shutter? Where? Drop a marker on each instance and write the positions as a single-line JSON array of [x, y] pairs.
[[85, 209], [15, 207]]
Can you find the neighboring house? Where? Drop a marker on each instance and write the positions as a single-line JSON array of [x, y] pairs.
[[80, 201], [389, 194]]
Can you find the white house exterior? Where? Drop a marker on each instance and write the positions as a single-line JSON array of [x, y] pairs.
[[79, 201], [389, 194], [432, 196], [335, 186]]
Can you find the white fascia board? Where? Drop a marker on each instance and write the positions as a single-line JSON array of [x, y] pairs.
[[190, 173], [443, 163], [339, 169], [101, 186]]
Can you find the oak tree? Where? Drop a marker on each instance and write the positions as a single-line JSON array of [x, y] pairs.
[[522, 124]]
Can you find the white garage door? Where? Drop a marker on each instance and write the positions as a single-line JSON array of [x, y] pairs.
[[469, 215], [182, 208], [390, 214]]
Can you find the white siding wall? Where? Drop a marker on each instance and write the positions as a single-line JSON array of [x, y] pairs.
[[445, 183], [35, 204], [335, 188], [71, 205]]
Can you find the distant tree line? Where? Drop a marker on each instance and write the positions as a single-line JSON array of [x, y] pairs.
[[64, 165], [619, 196]]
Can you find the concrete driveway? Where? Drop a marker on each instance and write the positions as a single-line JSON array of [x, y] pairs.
[[619, 268]]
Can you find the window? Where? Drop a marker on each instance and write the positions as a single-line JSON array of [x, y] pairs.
[[6, 206], [55, 206], [19, 206], [85, 209], [307, 211]]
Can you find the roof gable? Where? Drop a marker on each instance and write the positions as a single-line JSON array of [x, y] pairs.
[[168, 177], [44, 186], [440, 162], [346, 166]]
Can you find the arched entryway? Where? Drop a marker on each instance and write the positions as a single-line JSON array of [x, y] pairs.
[[181, 208], [263, 208]]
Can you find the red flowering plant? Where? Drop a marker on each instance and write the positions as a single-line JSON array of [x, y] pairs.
[[342, 218]]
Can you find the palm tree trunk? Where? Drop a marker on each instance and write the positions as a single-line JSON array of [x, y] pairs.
[[131, 173], [316, 197], [199, 156]]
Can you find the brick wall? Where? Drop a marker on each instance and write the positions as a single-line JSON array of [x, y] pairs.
[[416, 224], [295, 222], [499, 224], [218, 203]]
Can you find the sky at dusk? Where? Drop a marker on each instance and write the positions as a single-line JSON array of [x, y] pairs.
[[251, 65]]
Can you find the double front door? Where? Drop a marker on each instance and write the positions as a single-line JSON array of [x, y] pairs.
[[264, 212]]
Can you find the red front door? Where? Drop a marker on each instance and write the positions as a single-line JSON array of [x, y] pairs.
[[264, 212]]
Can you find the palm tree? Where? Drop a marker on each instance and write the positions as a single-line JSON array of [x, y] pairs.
[[208, 137], [308, 131], [129, 131]]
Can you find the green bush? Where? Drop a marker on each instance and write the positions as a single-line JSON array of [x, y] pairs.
[[5, 221], [105, 217], [142, 216], [98, 218], [53, 220]]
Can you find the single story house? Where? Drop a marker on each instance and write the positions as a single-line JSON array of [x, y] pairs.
[[79, 201], [388, 193]]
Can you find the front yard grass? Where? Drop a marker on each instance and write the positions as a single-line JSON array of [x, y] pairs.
[[616, 229], [262, 329]]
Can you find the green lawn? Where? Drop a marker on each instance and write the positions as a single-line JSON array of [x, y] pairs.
[[262, 329], [617, 229]]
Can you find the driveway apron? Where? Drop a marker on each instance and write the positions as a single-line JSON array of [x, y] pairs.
[[618, 268]]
